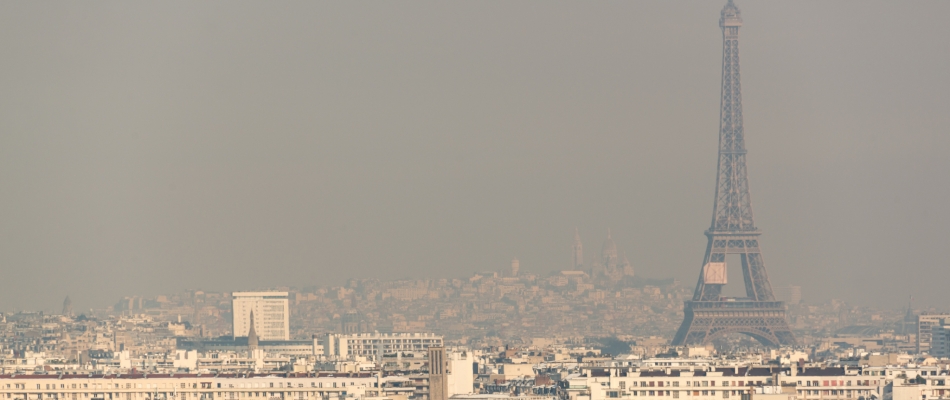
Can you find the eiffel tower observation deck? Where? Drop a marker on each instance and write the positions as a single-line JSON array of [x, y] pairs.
[[710, 315]]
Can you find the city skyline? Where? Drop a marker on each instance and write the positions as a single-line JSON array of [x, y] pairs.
[[322, 201], [260, 147]]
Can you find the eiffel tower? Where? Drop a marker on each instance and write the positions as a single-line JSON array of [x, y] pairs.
[[709, 315]]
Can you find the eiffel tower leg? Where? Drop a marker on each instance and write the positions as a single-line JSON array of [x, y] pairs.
[[684, 330], [756, 278], [747, 277], [693, 331]]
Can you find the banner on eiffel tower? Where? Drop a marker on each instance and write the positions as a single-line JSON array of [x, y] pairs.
[[714, 273]]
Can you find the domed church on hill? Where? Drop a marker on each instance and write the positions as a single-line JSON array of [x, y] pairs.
[[609, 265]]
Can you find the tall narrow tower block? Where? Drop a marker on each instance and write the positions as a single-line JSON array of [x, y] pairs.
[[438, 374]]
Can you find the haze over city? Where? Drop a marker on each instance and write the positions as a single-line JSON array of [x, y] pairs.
[[474, 201], [147, 148]]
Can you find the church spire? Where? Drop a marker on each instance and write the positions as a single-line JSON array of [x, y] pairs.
[[578, 252], [67, 307], [252, 335], [609, 252]]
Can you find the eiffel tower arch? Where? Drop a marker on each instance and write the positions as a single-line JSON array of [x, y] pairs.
[[709, 315]]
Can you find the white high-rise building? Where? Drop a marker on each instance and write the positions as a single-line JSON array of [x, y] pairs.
[[271, 314], [925, 326], [940, 339]]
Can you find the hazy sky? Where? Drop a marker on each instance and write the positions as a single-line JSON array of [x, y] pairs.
[[148, 147]]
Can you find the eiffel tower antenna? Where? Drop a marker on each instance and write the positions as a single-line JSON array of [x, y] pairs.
[[708, 315]]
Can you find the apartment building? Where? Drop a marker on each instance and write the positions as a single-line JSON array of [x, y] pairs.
[[925, 326], [271, 315], [930, 388], [940, 339], [599, 383], [374, 345], [708, 383], [138, 386]]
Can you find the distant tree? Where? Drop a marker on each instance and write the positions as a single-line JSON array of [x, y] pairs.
[[670, 354], [613, 345]]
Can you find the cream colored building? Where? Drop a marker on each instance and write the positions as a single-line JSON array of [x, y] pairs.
[[930, 388], [285, 386], [271, 314], [709, 383], [925, 326], [374, 345]]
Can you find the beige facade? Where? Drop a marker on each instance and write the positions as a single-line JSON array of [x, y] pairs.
[[438, 374], [187, 386], [932, 388], [271, 314], [722, 383], [376, 344], [925, 325]]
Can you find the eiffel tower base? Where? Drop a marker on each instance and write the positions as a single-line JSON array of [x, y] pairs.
[[707, 320]]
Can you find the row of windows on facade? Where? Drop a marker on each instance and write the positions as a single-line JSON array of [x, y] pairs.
[[274, 395], [742, 383], [204, 385], [838, 392], [392, 342], [688, 383], [266, 317], [896, 372], [397, 346], [835, 383], [675, 393], [725, 393]]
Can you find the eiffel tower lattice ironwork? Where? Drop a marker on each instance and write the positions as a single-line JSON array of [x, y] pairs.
[[709, 315]]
